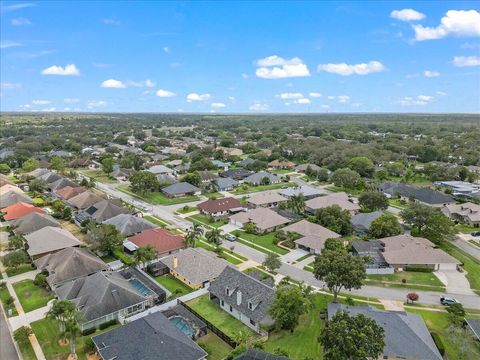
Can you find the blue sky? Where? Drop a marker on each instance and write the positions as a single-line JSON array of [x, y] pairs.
[[240, 57]]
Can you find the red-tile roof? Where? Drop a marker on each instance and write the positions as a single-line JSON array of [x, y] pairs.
[[20, 209], [161, 239], [68, 191], [218, 205]]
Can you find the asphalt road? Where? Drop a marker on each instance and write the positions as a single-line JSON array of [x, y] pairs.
[[468, 248], [7, 348]]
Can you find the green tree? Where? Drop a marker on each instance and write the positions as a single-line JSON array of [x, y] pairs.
[[287, 307], [41, 280], [272, 262], [373, 200], [144, 255], [193, 234], [38, 185], [362, 165], [15, 259], [57, 163], [69, 318], [143, 182], [30, 165], [103, 237], [16, 242], [346, 178], [249, 227], [339, 269], [5, 169], [352, 337], [215, 236], [334, 245], [107, 165], [193, 178], [385, 226], [296, 203], [456, 313], [22, 335], [334, 218], [265, 181]]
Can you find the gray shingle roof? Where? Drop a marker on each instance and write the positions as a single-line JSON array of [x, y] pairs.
[[362, 221], [84, 200], [250, 289], [33, 222], [425, 195], [305, 190], [105, 209], [152, 337], [257, 178], [128, 224], [254, 354], [474, 325], [406, 335], [180, 188], [225, 183], [12, 197], [49, 239], [61, 183]]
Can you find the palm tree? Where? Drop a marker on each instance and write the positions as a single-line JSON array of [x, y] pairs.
[[296, 203], [144, 255], [215, 236], [68, 318], [195, 231], [72, 329]]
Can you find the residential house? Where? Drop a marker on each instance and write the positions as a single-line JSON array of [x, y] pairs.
[[128, 224], [281, 164], [49, 239], [245, 162], [19, 210], [80, 162], [6, 188], [162, 240], [60, 153], [243, 297], [313, 236], [264, 220], [372, 249], [468, 213], [50, 177], [361, 222], [207, 177], [121, 174], [6, 153], [101, 211], [181, 189], [341, 199], [105, 296], [182, 168], [13, 197], [84, 200], [4, 180], [196, 267], [258, 178], [230, 151], [152, 337], [265, 199], [302, 168], [166, 179], [38, 172], [236, 174], [474, 326], [32, 222], [221, 164], [69, 264], [60, 184], [220, 208], [423, 195], [460, 188], [161, 169], [69, 192], [225, 184], [406, 335], [308, 192]]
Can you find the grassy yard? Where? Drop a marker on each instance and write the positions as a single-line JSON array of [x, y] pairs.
[[19, 270], [175, 286], [267, 241], [204, 220], [465, 228], [281, 171], [470, 264], [157, 198], [27, 351], [397, 203], [155, 220], [411, 277], [214, 195], [31, 296], [306, 334], [4, 295], [186, 209], [99, 176], [245, 189], [211, 311], [216, 348], [227, 254]]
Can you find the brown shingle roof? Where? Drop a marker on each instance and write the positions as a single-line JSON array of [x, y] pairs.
[[213, 206]]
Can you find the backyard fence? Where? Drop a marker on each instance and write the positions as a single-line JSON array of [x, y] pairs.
[[232, 343]]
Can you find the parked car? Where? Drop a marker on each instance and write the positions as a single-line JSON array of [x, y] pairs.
[[446, 301], [230, 237], [475, 233]]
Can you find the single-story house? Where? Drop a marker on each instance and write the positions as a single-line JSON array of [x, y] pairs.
[[153, 337], [225, 184], [60, 184], [313, 235], [257, 178], [9, 187], [361, 222], [105, 296], [69, 264], [423, 195], [341, 199], [221, 164], [308, 192], [181, 189], [219, 208], [468, 213], [128, 224], [231, 151], [245, 162], [278, 164], [48, 240], [50, 177], [162, 240], [19, 210], [265, 199], [236, 174], [243, 297], [406, 335], [69, 192], [460, 188], [166, 179], [32, 222], [84, 200], [121, 174], [160, 169], [13, 197], [101, 211], [373, 249], [474, 326], [195, 267], [265, 220], [302, 168], [207, 176]]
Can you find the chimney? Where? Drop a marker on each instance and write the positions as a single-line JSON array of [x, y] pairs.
[[175, 262], [239, 297]]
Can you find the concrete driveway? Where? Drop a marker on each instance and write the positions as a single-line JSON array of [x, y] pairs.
[[455, 281], [293, 255]]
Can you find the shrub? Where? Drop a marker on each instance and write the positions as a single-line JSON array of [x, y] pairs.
[[9, 300], [89, 331], [120, 255], [89, 346], [438, 342], [423, 269], [40, 280], [108, 324]]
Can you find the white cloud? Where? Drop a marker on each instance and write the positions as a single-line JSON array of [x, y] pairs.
[[315, 94], [69, 70], [407, 15], [357, 69], [458, 23], [231, 98], [463, 61], [258, 106], [166, 49], [165, 93], [303, 101], [71, 100], [324, 106], [441, 93], [146, 83], [10, 86], [40, 102], [8, 8], [284, 96], [343, 98], [218, 105], [94, 104], [431, 74], [417, 101], [110, 22], [113, 84], [5, 44], [244, 76], [276, 67], [20, 22], [198, 97], [331, 97]]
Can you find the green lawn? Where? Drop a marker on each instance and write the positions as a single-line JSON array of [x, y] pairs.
[[214, 195], [155, 220], [31, 296], [186, 209], [411, 277], [211, 311], [226, 253], [281, 171], [216, 348], [99, 176], [397, 203], [19, 270], [245, 189], [306, 334], [204, 220], [304, 257], [267, 241], [470, 264], [175, 286], [157, 198], [4, 295], [405, 286], [465, 228], [27, 350]]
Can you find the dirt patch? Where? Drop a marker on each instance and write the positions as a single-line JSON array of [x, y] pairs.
[[63, 342], [27, 294]]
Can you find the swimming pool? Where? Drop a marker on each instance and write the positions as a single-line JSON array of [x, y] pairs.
[[183, 325], [140, 287]]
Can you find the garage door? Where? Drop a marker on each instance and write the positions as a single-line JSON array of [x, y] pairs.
[[448, 267]]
